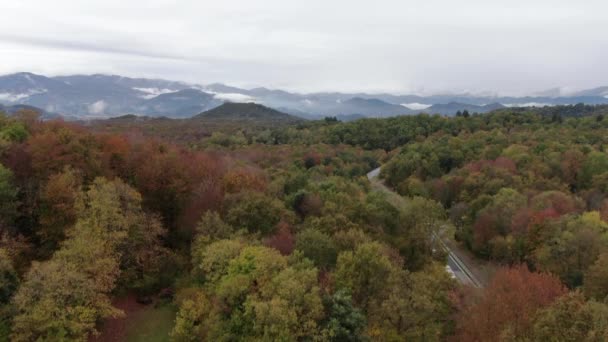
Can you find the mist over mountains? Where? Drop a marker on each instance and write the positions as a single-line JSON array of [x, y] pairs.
[[99, 96]]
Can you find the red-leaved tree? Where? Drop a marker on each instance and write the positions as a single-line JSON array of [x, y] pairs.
[[508, 303]]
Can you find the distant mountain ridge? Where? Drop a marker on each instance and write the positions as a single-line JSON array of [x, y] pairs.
[[101, 96], [599, 91], [20, 107], [454, 107], [182, 103]]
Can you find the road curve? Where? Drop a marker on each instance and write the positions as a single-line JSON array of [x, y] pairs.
[[455, 266]]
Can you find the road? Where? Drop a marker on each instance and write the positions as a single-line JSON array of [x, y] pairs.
[[455, 266]]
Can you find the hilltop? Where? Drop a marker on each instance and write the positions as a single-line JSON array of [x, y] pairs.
[[252, 112]]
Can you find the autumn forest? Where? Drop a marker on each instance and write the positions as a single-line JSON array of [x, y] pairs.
[[224, 230]]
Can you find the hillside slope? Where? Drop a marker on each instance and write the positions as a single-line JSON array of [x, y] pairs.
[[249, 112]]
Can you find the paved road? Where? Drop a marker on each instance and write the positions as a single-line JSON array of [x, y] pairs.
[[456, 266], [373, 174]]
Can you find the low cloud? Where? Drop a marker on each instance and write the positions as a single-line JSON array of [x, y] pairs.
[[527, 104], [9, 97], [98, 107], [234, 97], [416, 105], [150, 93], [17, 97]]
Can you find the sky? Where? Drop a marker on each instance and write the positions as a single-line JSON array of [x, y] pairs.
[[514, 47]]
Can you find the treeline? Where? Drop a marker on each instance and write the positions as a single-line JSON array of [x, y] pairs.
[[391, 133], [564, 111], [370, 134]]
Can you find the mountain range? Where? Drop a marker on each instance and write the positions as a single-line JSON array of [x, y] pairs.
[[100, 96]]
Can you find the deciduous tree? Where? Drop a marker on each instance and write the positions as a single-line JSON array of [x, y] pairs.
[[570, 319], [510, 301]]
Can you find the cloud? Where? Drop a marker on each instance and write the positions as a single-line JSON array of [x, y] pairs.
[[150, 93], [98, 107], [416, 105], [83, 46], [234, 97], [396, 46], [527, 104], [10, 97], [16, 97]]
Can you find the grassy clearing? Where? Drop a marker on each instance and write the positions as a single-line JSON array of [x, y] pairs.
[[151, 324]]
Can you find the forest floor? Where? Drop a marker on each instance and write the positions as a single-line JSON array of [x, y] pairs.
[[150, 323]]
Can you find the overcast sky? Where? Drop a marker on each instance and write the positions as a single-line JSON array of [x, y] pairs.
[[425, 46]]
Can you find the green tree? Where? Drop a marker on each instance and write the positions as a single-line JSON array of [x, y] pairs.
[[349, 240], [15, 131], [318, 247], [9, 281], [210, 262], [8, 196], [58, 208], [254, 266], [380, 214], [191, 319], [573, 247], [595, 164], [421, 223], [288, 307], [58, 301], [146, 264], [255, 212], [344, 322], [64, 298], [212, 227], [495, 221], [251, 270], [365, 273], [596, 278], [572, 319], [417, 308]]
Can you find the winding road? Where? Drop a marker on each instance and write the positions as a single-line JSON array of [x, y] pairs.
[[455, 266]]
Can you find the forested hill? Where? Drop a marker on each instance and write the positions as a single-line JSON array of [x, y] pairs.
[[250, 112], [231, 123], [577, 110]]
